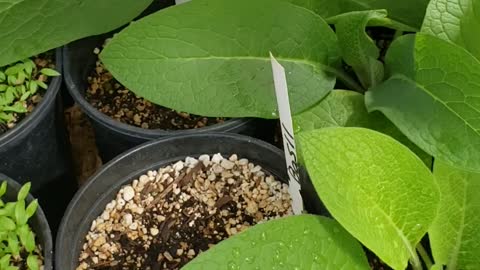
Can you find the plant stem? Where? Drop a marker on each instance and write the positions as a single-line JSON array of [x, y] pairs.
[[397, 34], [349, 81], [415, 262], [424, 255]]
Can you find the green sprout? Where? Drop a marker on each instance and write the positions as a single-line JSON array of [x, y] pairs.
[[19, 82], [17, 240]]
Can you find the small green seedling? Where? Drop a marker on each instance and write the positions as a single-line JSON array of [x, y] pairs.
[[17, 240], [19, 82]]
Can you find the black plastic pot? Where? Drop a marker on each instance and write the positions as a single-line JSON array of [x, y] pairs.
[[92, 198], [38, 222], [36, 150], [114, 137]]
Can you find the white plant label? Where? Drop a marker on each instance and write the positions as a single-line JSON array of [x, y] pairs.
[[281, 91]]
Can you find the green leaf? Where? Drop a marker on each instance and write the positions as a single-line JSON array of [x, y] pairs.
[[407, 12], [436, 267], [455, 21], [455, 234], [343, 108], [14, 70], [33, 87], [3, 188], [20, 213], [49, 72], [31, 208], [21, 77], [6, 117], [18, 107], [375, 187], [357, 48], [3, 87], [6, 224], [29, 66], [296, 242], [23, 193], [27, 238], [215, 61], [25, 96], [42, 33], [13, 243], [2, 76], [32, 262], [41, 84], [8, 210], [433, 98], [5, 261]]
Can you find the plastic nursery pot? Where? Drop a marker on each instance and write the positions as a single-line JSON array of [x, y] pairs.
[[36, 150], [38, 222], [91, 199], [114, 137]]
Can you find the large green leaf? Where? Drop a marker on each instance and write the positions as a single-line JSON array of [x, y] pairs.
[[211, 57], [455, 234], [296, 242], [457, 21], [30, 27], [375, 187], [433, 97], [357, 48], [343, 108], [408, 12]]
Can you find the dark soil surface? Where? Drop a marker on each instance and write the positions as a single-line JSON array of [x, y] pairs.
[[113, 99], [167, 217], [45, 60]]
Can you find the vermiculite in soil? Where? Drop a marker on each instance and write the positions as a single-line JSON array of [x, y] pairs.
[[165, 218]]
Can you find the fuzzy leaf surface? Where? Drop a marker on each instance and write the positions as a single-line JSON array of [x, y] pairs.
[[30, 27], [433, 97], [407, 12], [357, 48], [455, 234], [456, 21], [343, 108], [375, 187], [296, 242], [211, 57]]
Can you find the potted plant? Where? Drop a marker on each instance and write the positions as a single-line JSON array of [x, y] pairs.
[[120, 118], [26, 237], [169, 199], [421, 90], [30, 122]]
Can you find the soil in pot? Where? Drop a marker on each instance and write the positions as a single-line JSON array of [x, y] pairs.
[[163, 219], [110, 97], [45, 60]]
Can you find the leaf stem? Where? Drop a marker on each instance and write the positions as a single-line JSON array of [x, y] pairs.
[[415, 262], [347, 80], [424, 255]]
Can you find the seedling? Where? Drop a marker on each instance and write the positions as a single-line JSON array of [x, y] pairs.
[[18, 83], [17, 240]]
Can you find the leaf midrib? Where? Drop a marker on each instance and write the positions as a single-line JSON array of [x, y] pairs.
[[315, 65], [400, 233]]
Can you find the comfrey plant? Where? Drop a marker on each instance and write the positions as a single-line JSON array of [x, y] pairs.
[[363, 146], [17, 240]]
